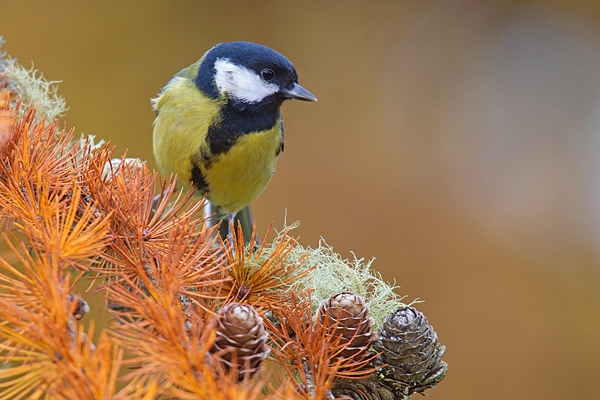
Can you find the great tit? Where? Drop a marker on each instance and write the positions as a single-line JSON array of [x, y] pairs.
[[218, 124]]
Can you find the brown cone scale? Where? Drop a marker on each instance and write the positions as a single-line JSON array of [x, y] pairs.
[[347, 315], [241, 340], [409, 345]]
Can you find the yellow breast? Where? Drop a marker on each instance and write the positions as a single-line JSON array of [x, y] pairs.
[[180, 127], [237, 177], [234, 178]]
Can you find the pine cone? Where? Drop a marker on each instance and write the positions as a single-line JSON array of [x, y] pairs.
[[241, 340], [409, 345], [348, 315]]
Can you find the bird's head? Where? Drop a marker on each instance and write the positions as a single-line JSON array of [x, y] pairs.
[[250, 76]]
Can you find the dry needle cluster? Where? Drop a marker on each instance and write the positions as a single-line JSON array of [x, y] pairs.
[[192, 317]]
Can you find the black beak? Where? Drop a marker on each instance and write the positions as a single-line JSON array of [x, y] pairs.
[[299, 93]]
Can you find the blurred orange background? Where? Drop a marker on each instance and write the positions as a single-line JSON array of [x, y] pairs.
[[456, 141]]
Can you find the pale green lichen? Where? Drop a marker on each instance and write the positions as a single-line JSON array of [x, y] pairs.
[[32, 88], [333, 274]]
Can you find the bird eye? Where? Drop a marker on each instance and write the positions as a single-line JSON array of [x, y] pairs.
[[267, 74]]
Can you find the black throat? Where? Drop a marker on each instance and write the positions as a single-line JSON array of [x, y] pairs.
[[237, 119]]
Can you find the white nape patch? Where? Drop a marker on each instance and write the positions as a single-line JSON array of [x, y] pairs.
[[241, 83]]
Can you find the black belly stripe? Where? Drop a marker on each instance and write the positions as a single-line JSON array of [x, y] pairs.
[[220, 140], [198, 179], [205, 158]]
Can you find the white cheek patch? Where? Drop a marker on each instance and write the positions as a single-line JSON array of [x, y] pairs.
[[241, 83]]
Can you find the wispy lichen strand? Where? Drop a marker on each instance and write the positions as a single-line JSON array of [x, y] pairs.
[[331, 273], [32, 88]]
